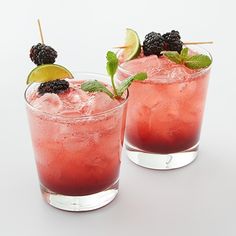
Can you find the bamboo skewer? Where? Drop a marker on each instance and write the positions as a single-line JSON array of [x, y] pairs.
[[40, 31], [185, 43], [192, 43]]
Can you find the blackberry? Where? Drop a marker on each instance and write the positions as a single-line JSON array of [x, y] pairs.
[[153, 44], [55, 86], [42, 54], [172, 41]]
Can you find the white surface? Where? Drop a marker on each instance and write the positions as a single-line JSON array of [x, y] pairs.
[[195, 200]]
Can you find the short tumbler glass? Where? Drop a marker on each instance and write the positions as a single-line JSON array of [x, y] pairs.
[[164, 119], [78, 159]]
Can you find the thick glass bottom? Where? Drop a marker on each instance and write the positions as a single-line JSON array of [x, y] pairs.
[[162, 161], [80, 203]]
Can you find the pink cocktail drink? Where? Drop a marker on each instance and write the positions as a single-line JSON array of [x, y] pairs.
[[165, 111], [77, 138]]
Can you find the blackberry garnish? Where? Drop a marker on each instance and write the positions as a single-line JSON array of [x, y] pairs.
[[172, 41], [42, 54], [153, 44], [55, 86]]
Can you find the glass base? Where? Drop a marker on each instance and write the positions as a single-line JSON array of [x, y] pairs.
[[162, 161], [80, 203]]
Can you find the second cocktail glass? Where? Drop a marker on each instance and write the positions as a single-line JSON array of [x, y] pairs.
[[165, 111]]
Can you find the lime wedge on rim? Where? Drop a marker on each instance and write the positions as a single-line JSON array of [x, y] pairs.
[[48, 72], [133, 46]]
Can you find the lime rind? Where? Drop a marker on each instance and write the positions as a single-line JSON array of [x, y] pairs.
[[132, 42], [48, 72]]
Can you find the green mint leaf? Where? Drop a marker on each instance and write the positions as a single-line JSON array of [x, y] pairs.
[[198, 61], [127, 82], [173, 56], [184, 54], [112, 63], [95, 86]]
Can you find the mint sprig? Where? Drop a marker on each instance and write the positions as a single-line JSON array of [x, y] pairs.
[[198, 61], [111, 66], [184, 54], [95, 86], [127, 82], [173, 56]]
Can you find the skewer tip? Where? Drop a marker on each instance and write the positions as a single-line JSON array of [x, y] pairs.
[[40, 31]]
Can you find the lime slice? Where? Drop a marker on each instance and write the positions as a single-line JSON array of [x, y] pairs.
[[132, 42], [48, 72]]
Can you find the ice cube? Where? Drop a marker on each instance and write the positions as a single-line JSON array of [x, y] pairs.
[[76, 102], [178, 73], [76, 144], [188, 89], [84, 96], [78, 108], [75, 98], [150, 64], [102, 102], [49, 102], [172, 73]]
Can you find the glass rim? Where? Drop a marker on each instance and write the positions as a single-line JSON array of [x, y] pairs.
[[79, 117], [198, 72]]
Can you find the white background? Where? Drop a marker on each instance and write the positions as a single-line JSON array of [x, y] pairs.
[[197, 200]]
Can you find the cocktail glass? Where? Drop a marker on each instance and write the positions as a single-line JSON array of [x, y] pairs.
[[78, 157], [164, 112]]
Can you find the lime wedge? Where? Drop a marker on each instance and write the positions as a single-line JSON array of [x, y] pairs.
[[132, 42], [48, 72]]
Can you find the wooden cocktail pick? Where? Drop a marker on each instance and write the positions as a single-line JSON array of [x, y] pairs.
[[40, 31], [185, 43]]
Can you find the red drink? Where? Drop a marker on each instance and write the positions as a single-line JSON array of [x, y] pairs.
[[165, 111], [77, 139]]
